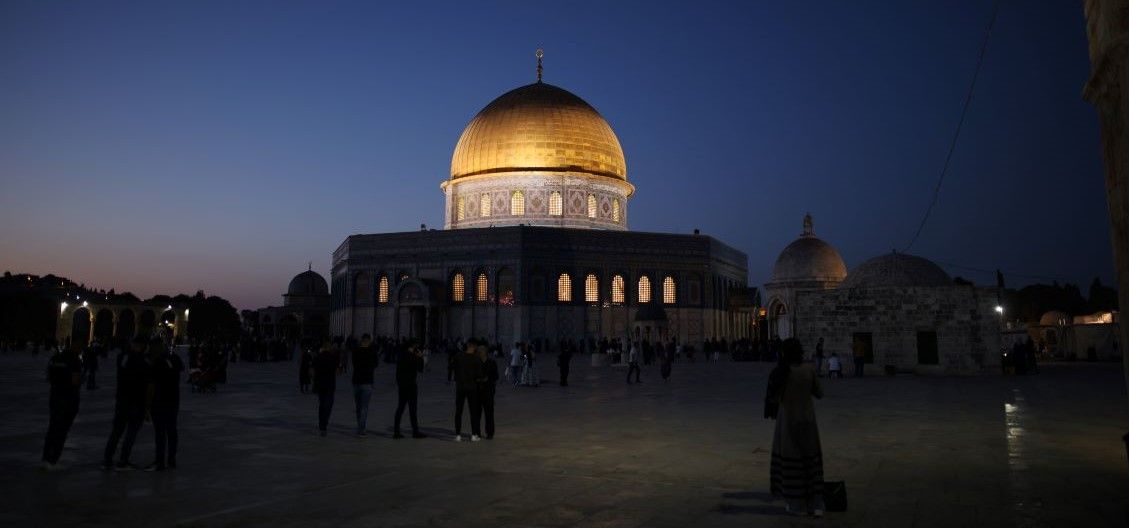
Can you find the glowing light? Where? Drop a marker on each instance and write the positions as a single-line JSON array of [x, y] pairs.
[[84, 304], [999, 309], [63, 306]]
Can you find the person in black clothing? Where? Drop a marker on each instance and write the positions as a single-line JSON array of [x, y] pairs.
[[486, 387], [90, 364], [305, 367], [129, 404], [164, 405], [468, 371], [409, 364], [327, 365], [64, 373], [563, 361], [452, 353], [364, 362]]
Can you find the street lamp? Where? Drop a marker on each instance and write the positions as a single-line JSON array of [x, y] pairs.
[[63, 307], [999, 309]]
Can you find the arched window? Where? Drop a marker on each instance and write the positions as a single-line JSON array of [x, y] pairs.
[[382, 289], [564, 288], [591, 288], [668, 290], [460, 208], [517, 204], [617, 289], [484, 205], [644, 289], [555, 203], [362, 288], [482, 288], [615, 210], [458, 288], [591, 206]]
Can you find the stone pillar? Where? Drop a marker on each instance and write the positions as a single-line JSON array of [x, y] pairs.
[[90, 331], [1107, 26], [114, 323]]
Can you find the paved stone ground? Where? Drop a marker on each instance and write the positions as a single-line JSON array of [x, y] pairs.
[[1042, 450]]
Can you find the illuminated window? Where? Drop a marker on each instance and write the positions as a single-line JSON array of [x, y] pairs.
[[668, 290], [591, 206], [517, 204], [617, 289], [458, 288], [555, 203], [591, 288], [382, 290], [484, 205], [460, 208], [482, 288], [615, 210], [564, 288], [644, 289]]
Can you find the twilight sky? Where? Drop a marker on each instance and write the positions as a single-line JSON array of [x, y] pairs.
[[161, 147]]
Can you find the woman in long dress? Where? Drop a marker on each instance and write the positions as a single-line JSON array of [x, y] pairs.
[[529, 375], [797, 457]]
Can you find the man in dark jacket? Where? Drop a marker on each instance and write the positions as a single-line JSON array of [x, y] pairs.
[[563, 361], [486, 387], [408, 366], [364, 362], [64, 373], [129, 405], [164, 406], [327, 365], [468, 371]]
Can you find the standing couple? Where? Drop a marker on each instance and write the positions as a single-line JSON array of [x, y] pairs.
[[476, 377]]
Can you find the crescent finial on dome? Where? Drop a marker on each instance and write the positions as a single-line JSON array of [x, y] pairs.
[[540, 53]]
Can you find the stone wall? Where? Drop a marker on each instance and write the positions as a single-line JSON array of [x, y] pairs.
[[968, 338]]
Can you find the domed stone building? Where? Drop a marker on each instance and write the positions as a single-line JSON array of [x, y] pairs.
[[904, 313], [536, 245], [807, 264], [304, 312]]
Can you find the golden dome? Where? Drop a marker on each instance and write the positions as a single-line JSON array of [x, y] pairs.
[[538, 127]]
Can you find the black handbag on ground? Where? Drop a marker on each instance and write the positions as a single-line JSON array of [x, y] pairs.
[[835, 496]]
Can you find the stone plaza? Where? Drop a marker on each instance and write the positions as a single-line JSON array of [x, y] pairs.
[[1040, 450]]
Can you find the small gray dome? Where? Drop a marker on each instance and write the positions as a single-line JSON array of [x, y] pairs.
[[809, 259], [897, 270], [308, 283]]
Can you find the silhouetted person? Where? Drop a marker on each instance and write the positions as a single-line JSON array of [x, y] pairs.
[[364, 362], [564, 359], [305, 367], [487, 385], [129, 405], [408, 366], [796, 471], [64, 373], [633, 363], [666, 364], [164, 374], [90, 364], [860, 358], [468, 370], [326, 366]]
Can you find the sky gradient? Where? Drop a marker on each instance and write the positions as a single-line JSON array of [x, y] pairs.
[[165, 147]]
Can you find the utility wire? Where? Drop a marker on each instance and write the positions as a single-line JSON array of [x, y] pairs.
[[960, 125]]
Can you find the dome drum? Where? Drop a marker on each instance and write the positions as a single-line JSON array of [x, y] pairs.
[[538, 198]]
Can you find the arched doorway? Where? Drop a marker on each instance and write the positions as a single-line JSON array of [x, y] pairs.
[[779, 324], [80, 328], [126, 324], [167, 327], [104, 325], [147, 324]]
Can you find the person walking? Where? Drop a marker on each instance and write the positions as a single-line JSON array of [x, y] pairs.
[[468, 370], [129, 405], [515, 364], [859, 352], [834, 367], [529, 375], [797, 456], [90, 364], [305, 368], [408, 366], [819, 358], [364, 362], [327, 365], [164, 405], [633, 363], [666, 362], [486, 388], [563, 362], [64, 373]]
